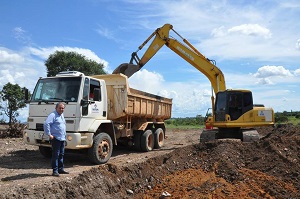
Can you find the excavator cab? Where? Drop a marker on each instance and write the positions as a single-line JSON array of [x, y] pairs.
[[232, 104]]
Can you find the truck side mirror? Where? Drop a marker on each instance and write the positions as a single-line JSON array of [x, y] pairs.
[[97, 94]]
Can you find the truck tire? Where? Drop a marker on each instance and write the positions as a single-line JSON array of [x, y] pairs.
[[159, 138], [137, 140], [147, 141], [101, 150], [45, 151]]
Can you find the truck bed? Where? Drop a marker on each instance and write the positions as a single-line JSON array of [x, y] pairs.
[[124, 101]]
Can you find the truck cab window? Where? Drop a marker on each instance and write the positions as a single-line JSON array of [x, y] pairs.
[[93, 84], [57, 89]]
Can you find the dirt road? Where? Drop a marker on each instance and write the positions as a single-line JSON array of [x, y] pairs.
[[184, 168]]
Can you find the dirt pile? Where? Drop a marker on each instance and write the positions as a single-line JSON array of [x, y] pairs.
[[230, 169], [269, 168]]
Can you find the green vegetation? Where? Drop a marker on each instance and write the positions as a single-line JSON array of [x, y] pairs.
[[72, 61], [198, 121], [288, 117], [12, 98], [185, 123]]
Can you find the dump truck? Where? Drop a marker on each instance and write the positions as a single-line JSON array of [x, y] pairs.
[[100, 111]]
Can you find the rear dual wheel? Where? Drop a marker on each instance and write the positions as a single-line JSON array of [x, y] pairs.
[[148, 140], [159, 138]]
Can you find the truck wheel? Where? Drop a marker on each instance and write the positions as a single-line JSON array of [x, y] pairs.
[[147, 141], [46, 151], [159, 138], [101, 150], [137, 140]]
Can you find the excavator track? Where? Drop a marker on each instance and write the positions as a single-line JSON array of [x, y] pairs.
[[245, 135]]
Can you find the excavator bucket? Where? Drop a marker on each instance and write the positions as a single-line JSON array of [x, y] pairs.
[[126, 69]]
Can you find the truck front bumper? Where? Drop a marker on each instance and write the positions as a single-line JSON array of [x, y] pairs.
[[73, 140]]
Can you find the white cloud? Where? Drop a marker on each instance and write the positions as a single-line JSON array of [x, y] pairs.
[[252, 30], [19, 67], [298, 44], [147, 81], [21, 35], [8, 56], [219, 32], [267, 71], [6, 77], [264, 81], [45, 52], [290, 4], [105, 32], [189, 98], [297, 72]]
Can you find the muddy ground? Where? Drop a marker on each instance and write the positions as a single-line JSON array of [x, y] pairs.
[[183, 168]]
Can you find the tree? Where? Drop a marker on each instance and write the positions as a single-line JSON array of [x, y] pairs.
[[72, 61], [14, 97]]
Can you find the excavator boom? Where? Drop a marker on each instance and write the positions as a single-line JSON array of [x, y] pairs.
[[187, 51]]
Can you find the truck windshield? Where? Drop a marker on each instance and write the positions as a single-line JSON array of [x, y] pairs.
[[57, 89]]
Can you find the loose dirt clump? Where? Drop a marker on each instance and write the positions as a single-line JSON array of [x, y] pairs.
[[184, 168]]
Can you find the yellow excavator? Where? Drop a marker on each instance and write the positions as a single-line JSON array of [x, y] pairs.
[[233, 113]]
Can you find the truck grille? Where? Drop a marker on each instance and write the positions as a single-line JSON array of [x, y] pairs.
[[39, 127]]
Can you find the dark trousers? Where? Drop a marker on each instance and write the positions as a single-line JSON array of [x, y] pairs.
[[58, 150]]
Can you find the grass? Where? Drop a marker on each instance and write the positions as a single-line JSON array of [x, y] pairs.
[[293, 120], [171, 126]]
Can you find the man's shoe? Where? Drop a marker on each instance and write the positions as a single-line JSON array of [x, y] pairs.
[[55, 174], [63, 172]]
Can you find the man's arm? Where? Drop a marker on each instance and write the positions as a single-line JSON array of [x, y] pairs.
[[47, 124]]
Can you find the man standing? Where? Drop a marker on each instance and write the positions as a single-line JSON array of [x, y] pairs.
[[55, 128]]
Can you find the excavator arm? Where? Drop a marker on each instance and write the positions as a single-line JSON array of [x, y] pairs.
[[187, 51]]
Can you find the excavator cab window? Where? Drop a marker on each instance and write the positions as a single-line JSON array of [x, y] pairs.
[[248, 101], [220, 106], [233, 103]]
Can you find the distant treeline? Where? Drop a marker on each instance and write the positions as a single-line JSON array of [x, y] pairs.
[[280, 117], [285, 116], [187, 121]]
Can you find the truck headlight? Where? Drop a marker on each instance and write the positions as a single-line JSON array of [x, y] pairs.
[[69, 138]]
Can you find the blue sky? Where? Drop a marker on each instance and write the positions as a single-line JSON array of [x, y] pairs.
[[255, 43]]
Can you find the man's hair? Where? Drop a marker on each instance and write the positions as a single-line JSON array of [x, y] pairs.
[[58, 103]]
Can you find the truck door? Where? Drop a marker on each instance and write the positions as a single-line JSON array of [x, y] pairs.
[[93, 108]]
